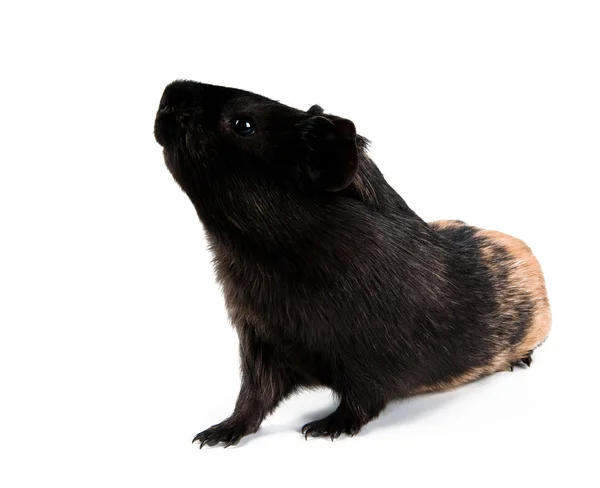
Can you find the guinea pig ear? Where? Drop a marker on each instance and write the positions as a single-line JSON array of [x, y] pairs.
[[315, 110], [333, 156]]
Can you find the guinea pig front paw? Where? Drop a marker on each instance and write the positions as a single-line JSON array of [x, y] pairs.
[[229, 432], [333, 426]]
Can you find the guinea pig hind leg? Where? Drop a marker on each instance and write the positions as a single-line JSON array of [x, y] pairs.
[[350, 416], [526, 360]]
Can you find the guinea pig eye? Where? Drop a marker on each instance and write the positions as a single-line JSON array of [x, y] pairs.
[[244, 126]]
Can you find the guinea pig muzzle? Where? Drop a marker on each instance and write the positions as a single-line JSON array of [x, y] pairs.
[[167, 127], [175, 103]]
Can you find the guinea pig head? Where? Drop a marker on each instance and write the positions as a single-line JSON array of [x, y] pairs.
[[214, 135]]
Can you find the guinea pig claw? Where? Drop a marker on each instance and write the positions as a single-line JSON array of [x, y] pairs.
[[232, 442], [527, 360], [309, 431]]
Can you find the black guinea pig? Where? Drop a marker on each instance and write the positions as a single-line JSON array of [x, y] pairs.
[[329, 278]]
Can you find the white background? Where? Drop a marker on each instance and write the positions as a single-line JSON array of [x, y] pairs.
[[115, 348]]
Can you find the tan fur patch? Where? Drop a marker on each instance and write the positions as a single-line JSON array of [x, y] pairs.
[[467, 377], [365, 190], [446, 224], [525, 274], [499, 363]]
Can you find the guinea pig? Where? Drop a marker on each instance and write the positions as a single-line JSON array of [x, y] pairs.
[[329, 278]]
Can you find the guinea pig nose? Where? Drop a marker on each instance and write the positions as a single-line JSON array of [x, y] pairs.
[[179, 94]]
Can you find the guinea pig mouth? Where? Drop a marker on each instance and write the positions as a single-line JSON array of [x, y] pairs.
[[168, 128]]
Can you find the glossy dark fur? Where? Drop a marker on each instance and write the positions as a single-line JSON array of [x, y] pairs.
[[329, 277]]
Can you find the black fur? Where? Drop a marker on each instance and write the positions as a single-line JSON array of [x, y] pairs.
[[329, 277]]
